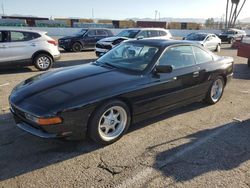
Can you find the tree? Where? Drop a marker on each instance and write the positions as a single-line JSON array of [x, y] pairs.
[[209, 23]]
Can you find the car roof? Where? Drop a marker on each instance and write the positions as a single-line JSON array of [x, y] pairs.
[[95, 29], [149, 28], [160, 42], [24, 30], [200, 33]]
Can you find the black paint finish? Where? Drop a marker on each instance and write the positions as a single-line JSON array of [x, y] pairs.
[[74, 93]]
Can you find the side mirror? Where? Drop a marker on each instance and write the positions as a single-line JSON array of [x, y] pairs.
[[163, 69], [184, 38]]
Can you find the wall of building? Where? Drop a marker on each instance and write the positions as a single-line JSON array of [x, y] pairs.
[[59, 32]]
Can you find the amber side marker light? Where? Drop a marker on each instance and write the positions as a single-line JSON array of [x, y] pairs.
[[49, 121]]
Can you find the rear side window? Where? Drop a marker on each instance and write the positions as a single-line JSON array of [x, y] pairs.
[[16, 36], [102, 33], [153, 33], [143, 34], [178, 57], [202, 56], [163, 33], [92, 33]]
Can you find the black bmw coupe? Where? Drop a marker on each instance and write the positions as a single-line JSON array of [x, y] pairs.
[[136, 80]]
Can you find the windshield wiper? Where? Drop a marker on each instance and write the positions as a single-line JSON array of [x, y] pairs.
[[106, 63]]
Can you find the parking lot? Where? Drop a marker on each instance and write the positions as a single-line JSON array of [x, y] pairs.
[[195, 146]]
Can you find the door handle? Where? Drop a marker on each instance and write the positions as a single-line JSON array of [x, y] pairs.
[[196, 74], [33, 44]]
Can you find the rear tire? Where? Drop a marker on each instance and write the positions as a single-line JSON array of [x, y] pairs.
[[77, 47], [215, 91], [218, 48], [43, 62], [231, 40], [109, 122]]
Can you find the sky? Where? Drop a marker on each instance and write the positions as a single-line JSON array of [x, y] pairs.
[[120, 9]]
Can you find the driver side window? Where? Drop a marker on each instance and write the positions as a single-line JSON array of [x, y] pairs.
[[178, 57], [92, 33]]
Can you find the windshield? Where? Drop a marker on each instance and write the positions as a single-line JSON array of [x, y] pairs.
[[82, 32], [128, 33], [196, 37], [228, 32], [129, 56]]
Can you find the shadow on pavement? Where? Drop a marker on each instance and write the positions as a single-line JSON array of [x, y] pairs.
[[225, 148], [242, 71], [59, 64], [21, 152]]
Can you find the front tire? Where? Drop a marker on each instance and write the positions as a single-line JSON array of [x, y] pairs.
[[248, 62], [109, 122], [215, 91], [43, 62], [77, 47]]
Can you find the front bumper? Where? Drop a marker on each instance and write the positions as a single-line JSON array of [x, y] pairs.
[[35, 131], [64, 45], [57, 57], [74, 125], [229, 77]]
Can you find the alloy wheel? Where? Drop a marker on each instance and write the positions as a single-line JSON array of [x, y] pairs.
[[112, 123]]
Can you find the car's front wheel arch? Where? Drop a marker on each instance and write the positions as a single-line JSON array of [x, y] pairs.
[[43, 58], [99, 111]]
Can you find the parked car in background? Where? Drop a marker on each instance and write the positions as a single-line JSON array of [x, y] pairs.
[[106, 44], [27, 47], [244, 48], [231, 35], [209, 41], [84, 40], [138, 79]]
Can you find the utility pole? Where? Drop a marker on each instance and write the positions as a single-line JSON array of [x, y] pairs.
[[93, 14], [3, 9], [156, 14]]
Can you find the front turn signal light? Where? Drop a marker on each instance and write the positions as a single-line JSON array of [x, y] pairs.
[[49, 121]]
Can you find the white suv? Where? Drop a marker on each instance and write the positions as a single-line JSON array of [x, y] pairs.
[[27, 47], [106, 44]]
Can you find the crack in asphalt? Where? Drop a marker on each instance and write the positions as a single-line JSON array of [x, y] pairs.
[[113, 170]]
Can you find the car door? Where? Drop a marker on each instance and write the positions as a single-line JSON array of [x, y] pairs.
[[100, 34], [208, 42], [170, 89], [90, 39], [205, 62], [19, 46], [4, 54]]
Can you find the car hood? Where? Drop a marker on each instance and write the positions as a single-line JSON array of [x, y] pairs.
[[112, 39], [53, 91]]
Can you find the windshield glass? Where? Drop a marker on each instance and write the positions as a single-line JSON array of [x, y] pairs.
[[196, 37], [228, 32], [128, 33], [129, 56], [82, 32]]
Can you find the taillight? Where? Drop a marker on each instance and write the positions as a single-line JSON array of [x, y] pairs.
[[52, 42]]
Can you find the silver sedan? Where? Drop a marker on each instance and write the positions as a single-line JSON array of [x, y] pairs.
[[209, 41]]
